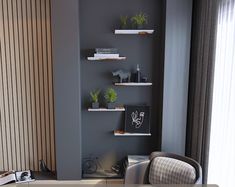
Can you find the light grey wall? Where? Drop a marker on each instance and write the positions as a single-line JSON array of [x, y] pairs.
[[66, 57], [176, 74]]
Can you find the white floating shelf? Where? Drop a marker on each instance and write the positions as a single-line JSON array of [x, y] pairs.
[[140, 32], [134, 84], [105, 59], [119, 109], [131, 134]]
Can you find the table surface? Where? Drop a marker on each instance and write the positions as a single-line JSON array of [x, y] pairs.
[[47, 179], [99, 182]]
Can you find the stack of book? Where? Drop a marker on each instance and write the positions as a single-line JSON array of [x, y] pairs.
[[106, 53]]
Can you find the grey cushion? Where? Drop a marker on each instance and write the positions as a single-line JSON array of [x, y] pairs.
[[165, 170]]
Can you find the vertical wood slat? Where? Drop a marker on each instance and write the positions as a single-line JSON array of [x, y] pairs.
[[13, 85], [7, 80], [2, 167], [26, 87], [40, 75], [39, 142], [45, 83], [15, 127], [33, 135], [21, 84], [50, 89], [34, 87], [2, 93], [26, 91]]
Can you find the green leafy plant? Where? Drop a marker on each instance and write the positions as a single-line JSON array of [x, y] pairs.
[[124, 21], [95, 96], [110, 95], [139, 19]]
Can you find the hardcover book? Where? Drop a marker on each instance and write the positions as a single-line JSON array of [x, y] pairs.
[[106, 50], [106, 55]]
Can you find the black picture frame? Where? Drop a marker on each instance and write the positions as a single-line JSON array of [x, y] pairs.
[[137, 119]]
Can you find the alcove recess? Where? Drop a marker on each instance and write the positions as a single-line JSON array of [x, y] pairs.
[[97, 30]]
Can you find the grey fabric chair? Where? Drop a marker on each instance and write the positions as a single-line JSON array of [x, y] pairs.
[[164, 168]]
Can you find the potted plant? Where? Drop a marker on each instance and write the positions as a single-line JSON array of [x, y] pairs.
[[139, 20], [124, 22], [95, 98], [110, 97]]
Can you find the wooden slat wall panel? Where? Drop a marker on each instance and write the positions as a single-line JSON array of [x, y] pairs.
[[26, 85]]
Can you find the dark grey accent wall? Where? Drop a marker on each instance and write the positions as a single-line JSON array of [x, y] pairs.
[[98, 19], [66, 57], [176, 74]]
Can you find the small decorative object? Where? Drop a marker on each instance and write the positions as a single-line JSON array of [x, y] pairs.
[[124, 22], [139, 20], [119, 131], [144, 79], [43, 166], [120, 167], [138, 74], [123, 76], [106, 54], [95, 98], [137, 119], [90, 165], [110, 97]]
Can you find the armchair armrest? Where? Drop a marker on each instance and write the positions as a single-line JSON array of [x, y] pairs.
[[137, 173]]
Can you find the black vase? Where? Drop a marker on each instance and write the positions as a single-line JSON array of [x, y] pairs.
[[139, 27], [110, 105], [95, 105], [123, 27]]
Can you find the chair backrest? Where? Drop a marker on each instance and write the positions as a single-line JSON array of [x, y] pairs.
[[168, 168]]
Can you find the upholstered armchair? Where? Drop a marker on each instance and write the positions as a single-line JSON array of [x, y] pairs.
[[164, 168]]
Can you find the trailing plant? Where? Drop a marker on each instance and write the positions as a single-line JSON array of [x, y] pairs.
[[124, 21], [139, 19], [110, 95], [95, 96]]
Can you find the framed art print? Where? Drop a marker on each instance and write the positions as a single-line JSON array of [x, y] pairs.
[[137, 119]]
